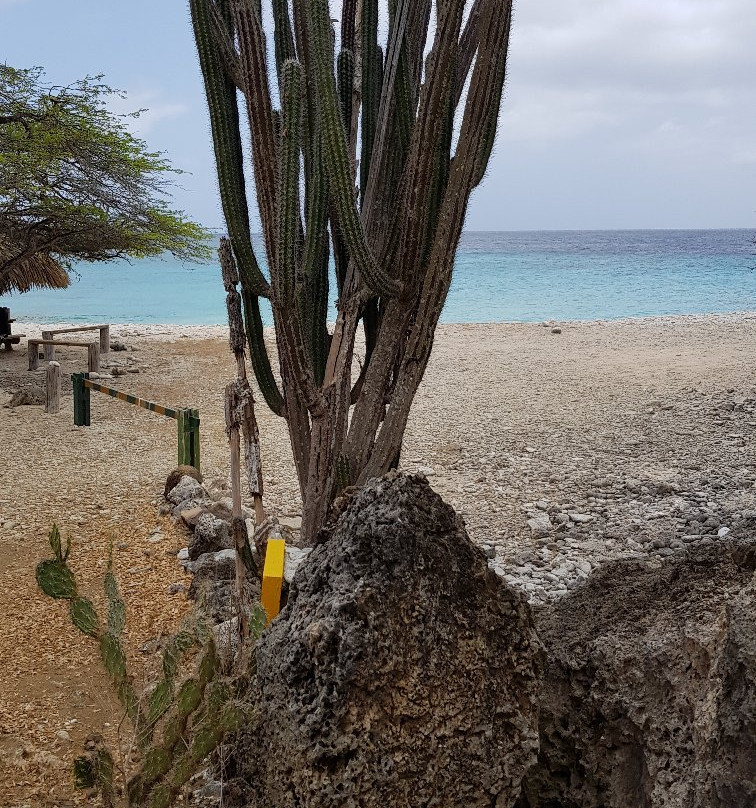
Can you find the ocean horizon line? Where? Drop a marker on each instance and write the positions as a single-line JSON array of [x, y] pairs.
[[258, 233]]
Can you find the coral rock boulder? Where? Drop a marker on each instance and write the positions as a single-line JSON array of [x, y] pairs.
[[402, 672], [649, 696]]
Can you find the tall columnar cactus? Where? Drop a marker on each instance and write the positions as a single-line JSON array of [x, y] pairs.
[[178, 721], [384, 129]]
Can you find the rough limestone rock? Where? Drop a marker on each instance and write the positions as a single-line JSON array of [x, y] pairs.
[[27, 396], [176, 476], [188, 506], [210, 568], [214, 585], [649, 696], [210, 535], [402, 672]]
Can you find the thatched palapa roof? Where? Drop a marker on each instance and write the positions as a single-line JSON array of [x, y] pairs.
[[37, 271]]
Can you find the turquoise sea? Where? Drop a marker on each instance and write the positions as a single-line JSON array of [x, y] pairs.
[[508, 276]]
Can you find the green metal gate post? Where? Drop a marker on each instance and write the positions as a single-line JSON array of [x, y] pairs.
[[187, 426], [181, 437], [194, 438], [82, 414]]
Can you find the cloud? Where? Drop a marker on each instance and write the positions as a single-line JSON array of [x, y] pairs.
[[623, 113], [154, 109], [589, 64]]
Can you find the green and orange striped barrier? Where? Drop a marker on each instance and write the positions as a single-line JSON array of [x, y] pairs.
[[187, 419]]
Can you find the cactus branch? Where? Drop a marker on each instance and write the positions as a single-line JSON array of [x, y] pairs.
[[336, 156], [229, 160], [288, 193]]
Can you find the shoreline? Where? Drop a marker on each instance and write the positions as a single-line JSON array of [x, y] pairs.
[[176, 331]]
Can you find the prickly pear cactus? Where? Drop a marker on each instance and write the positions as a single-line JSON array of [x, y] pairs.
[[54, 577], [177, 722], [84, 617]]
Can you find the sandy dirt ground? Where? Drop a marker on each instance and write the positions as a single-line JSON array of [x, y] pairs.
[[609, 439]]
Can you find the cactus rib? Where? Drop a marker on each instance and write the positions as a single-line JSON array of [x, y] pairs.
[[288, 191]]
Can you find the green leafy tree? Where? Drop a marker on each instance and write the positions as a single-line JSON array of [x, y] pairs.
[[75, 184]]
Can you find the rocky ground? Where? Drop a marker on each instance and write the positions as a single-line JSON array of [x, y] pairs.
[[561, 450]]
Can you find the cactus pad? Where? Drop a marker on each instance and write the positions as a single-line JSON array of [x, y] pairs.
[[84, 617], [116, 606], [56, 580]]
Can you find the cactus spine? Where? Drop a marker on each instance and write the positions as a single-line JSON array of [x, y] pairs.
[[372, 156]]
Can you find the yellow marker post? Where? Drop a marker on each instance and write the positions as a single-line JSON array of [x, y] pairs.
[[273, 577]]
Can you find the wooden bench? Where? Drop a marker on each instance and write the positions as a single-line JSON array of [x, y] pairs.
[[93, 352], [50, 334], [8, 340]]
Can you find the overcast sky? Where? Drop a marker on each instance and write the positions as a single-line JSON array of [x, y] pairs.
[[618, 113]]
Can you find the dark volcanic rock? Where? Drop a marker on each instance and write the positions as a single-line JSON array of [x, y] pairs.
[[402, 672], [649, 697]]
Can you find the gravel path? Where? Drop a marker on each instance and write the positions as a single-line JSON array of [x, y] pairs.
[[607, 440]]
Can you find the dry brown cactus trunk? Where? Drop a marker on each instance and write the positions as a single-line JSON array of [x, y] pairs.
[[388, 209]]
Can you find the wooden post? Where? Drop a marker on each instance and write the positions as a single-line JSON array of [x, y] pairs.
[[243, 399], [238, 527], [104, 339], [33, 348], [49, 349], [244, 561], [52, 388], [93, 358]]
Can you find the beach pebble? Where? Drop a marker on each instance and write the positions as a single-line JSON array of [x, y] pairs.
[[187, 488], [540, 525], [556, 330]]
